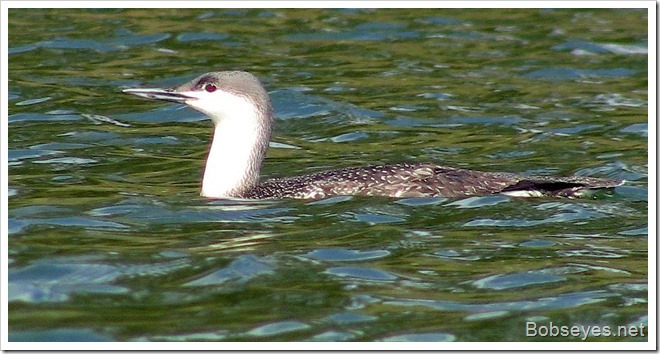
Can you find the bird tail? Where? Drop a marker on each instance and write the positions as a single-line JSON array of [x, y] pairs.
[[570, 187]]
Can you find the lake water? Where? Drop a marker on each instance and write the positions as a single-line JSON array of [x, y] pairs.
[[109, 239]]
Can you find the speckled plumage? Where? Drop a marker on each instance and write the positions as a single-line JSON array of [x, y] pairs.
[[420, 180], [241, 111]]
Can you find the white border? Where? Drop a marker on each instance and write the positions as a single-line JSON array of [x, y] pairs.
[[652, 262], [330, 4], [4, 181], [653, 174]]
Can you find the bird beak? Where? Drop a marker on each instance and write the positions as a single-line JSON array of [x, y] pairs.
[[160, 94]]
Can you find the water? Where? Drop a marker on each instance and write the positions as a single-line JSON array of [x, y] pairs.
[[110, 241]]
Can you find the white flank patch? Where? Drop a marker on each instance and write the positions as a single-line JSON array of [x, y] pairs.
[[523, 194]]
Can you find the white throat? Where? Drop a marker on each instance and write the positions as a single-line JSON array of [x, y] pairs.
[[239, 145]]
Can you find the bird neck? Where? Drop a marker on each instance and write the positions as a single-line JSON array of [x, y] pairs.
[[237, 152]]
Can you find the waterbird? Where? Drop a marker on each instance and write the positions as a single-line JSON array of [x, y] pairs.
[[242, 114]]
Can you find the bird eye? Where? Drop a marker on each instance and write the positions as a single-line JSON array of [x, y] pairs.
[[209, 87]]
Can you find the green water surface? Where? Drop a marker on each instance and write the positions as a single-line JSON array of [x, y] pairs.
[[110, 240]]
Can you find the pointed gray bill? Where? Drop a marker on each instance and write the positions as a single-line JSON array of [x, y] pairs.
[[159, 94]]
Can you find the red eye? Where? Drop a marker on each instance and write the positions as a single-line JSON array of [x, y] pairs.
[[209, 87]]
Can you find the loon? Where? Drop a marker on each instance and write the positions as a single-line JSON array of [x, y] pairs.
[[242, 113]]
